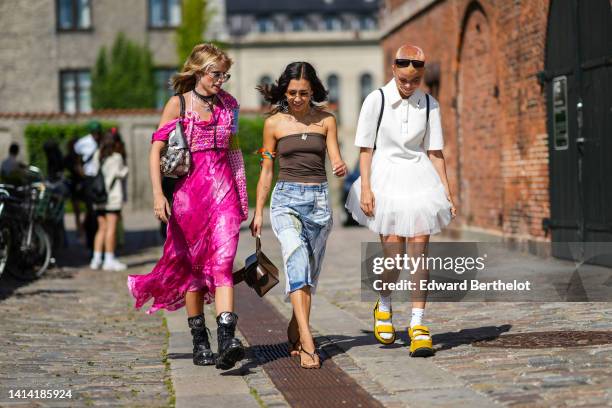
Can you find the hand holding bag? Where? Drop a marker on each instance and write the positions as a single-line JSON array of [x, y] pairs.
[[259, 272], [175, 159]]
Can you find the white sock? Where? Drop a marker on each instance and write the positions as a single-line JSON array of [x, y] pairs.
[[417, 316], [109, 257], [97, 256], [384, 305], [417, 319]]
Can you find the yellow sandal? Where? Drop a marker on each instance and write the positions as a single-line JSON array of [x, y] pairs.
[[383, 328], [420, 347]]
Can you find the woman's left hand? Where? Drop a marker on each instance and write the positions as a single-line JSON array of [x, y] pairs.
[[453, 209], [339, 168]]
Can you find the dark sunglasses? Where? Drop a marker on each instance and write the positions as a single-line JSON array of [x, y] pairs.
[[403, 63]]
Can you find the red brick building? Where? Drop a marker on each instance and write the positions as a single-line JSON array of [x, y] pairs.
[[492, 67]]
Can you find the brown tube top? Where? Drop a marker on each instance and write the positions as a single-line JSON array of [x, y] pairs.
[[301, 158]]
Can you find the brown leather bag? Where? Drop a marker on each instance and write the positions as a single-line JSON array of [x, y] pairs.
[[258, 272]]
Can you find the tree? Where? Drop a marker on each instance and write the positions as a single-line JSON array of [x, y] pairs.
[[194, 20], [123, 78]]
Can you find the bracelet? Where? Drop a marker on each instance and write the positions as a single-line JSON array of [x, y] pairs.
[[265, 154]]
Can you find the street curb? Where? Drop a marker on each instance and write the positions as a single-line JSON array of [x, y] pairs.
[[197, 386]]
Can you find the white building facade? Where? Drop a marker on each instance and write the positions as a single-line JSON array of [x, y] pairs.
[[340, 38]]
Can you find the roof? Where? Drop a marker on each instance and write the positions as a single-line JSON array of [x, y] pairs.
[[300, 6]]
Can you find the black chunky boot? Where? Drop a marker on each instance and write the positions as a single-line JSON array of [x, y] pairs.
[[202, 354], [230, 349]]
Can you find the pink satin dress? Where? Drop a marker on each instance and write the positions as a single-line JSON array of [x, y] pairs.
[[209, 205]]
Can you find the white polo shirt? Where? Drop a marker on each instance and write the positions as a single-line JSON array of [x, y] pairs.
[[403, 132]]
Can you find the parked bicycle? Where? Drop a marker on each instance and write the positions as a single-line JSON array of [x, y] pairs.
[[29, 216]]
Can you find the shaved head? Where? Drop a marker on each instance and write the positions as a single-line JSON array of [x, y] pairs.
[[407, 77], [408, 51]]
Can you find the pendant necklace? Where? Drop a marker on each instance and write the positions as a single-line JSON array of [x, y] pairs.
[[207, 99]]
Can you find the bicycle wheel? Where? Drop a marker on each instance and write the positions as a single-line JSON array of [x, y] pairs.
[[5, 246], [34, 260]]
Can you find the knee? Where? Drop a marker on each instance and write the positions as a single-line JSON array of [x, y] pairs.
[[101, 224], [290, 243]]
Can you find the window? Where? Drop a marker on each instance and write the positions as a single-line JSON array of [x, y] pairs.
[[265, 25], [73, 15], [75, 91], [367, 23], [164, 13], [163, 89], [298, 23], [333, 23], [333, 87], [365, 87]]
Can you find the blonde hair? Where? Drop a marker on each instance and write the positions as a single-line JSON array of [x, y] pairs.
[[202, 58]]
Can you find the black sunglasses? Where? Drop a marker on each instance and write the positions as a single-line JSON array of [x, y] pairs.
[[403, 63]]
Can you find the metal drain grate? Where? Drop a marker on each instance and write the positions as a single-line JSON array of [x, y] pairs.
[[265, 329], [548, 339]]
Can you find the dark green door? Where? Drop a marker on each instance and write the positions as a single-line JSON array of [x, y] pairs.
[[579, 102]]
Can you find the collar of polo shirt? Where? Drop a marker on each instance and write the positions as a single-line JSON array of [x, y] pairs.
[[394, 97]]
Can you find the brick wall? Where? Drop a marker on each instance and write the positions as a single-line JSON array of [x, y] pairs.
[[493, 109]]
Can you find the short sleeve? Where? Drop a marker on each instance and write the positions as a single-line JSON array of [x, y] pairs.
[[434, 140], [368, 120]]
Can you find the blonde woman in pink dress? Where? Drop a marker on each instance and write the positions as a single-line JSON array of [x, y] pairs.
[[208, 206]]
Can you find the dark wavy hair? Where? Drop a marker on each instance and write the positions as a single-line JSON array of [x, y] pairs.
[[111, 142], [275, 93]]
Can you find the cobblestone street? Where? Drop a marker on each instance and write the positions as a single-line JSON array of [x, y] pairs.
[[75, 329], [459, 372]]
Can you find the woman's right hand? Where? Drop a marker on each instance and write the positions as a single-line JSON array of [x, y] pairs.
[[367, 202], [256, 224], [161, 207]]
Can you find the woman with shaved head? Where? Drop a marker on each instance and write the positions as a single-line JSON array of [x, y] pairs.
[[403, 193]]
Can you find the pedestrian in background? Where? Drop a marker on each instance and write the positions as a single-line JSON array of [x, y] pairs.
[[12, 169], [74, 165], [86, 147], [209, 204], [112, 159], [299, 132], [58, 185]]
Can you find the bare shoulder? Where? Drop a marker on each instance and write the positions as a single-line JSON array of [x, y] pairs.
[[272, 121], [172, 108], [326, 117]]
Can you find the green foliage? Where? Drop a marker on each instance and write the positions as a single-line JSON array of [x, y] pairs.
[[250, 133], [37, 134], [194, 20], [123, 78]]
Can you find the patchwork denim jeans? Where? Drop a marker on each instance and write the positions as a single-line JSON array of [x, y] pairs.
[[301, 219]]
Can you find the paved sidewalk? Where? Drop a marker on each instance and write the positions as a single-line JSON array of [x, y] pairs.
[[459, 373], [197, 386], [76, 329]]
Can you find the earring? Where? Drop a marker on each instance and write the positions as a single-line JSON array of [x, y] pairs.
[[283, 105]]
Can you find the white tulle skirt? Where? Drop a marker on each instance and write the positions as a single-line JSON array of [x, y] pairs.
[[409, 198]]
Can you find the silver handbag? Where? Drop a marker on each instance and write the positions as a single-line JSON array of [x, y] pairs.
[[175, 159]]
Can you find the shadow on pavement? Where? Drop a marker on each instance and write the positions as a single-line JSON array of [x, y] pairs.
[[330, 344], [446, 341], [9, 284], [75, 255]]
